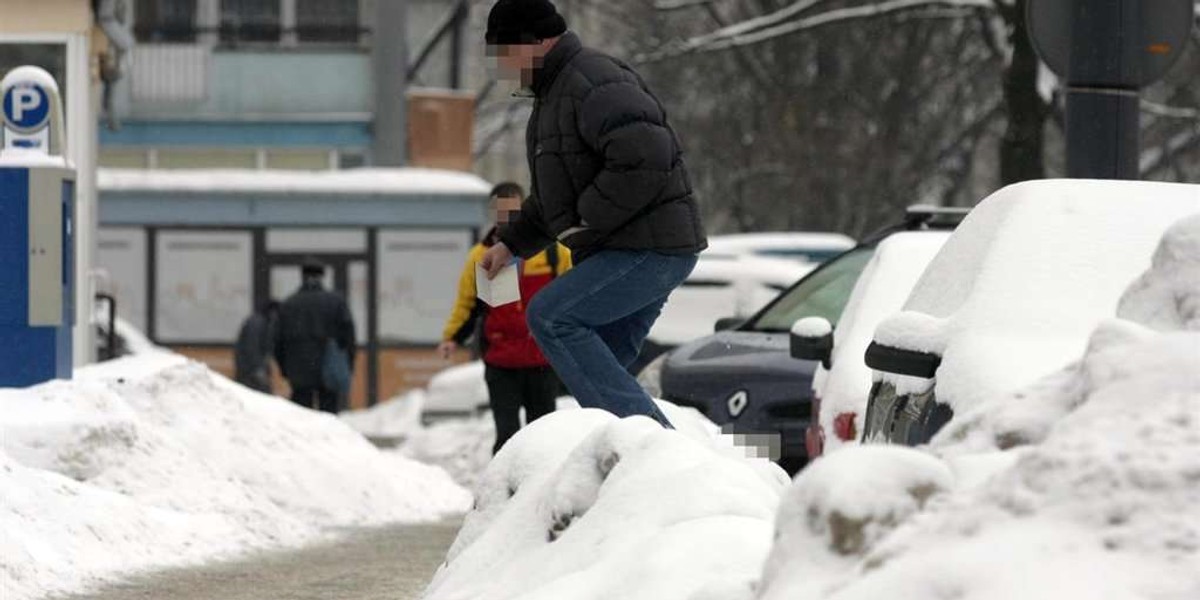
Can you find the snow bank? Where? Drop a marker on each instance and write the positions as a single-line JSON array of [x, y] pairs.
[[1096, 498], [154, 460], [1167, 297], [583, 505], [1084, 485], [394, 419]]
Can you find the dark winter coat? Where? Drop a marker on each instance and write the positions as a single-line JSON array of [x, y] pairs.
[[607, 168], [255, 343], [307, 320]]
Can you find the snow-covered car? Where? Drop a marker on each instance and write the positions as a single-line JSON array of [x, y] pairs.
[[1012, 296], [458, 391], [1079, 485], [813, 247], [842, 380], [720, 287], [745, 377]]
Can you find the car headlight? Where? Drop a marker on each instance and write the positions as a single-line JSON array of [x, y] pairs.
[[651, 376]]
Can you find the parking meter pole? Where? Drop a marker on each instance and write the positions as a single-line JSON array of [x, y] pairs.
[[37, 207], [1106, 52], [1102, 133]]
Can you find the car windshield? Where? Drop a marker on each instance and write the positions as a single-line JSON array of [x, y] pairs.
[[822, 294]]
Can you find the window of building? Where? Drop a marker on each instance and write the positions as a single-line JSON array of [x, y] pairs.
[[124, 158], [165, 21], [329, 21], [250, 21], [207, 158], [308, 160]]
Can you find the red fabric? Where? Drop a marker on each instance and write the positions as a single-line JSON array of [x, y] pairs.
[[510, 345]]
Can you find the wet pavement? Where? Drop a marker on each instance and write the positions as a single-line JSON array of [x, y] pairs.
[[392, 563]]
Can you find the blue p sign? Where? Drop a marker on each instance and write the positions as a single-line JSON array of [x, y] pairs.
[[26, 107]]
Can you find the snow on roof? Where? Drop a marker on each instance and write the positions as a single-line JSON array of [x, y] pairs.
[[1027, 276], [881, 290], [808, 240], [366, 181]]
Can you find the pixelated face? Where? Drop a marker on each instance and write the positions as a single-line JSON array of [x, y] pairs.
[[517, 62], [506, 207]]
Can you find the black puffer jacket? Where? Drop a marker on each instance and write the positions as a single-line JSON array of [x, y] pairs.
[[307, 320], [607, 168]]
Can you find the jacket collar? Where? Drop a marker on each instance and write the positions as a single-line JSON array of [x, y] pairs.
[[567, 47]]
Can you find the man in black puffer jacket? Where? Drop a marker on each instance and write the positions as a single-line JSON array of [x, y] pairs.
[[609, 183]]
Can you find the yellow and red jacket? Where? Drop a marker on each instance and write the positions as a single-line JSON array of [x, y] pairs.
[[507, 342]]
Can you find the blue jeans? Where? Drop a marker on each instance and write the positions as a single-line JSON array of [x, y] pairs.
[[591, 322]]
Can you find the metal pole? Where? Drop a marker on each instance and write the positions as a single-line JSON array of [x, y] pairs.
[[1102, 116], [390, 127], [456, 45]]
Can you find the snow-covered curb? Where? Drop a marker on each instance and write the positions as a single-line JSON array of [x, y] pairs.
[[155, 461]]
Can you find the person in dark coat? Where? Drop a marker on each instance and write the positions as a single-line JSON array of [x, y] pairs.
[[609, 182], [307, 321], [255, 343]]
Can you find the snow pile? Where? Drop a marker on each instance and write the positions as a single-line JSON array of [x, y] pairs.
[[1167, 297], [393, 419], [583, 505], [1096, 499], [462, 447], [153, 460], [1084, 485]]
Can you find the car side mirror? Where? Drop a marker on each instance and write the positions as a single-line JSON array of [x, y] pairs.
[[728, 323], [812, 339], [902, 362]]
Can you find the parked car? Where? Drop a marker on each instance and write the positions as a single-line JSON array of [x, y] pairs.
[[1013, 296], [842, 380], [456, 392], [744, 376], [812, 247], [718, 287]]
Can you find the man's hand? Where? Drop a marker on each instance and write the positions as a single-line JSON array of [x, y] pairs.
[[447, 349], [495, 259]]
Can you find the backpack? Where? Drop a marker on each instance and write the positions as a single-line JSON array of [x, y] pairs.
[[335, 368]]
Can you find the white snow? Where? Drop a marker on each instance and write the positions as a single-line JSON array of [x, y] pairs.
[[458, 390], [1167, 297], [719, 288], [881, 290], [583, 505], [812, 327], [153, 461], [1082, 485], [398, 181], [792, 245], [1027, 276]]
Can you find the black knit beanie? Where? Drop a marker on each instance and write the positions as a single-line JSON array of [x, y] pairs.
[[523, 22]]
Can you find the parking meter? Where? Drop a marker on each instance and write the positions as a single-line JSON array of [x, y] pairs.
[[37, 206]]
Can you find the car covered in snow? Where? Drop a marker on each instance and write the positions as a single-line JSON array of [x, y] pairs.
[[720, 286], [1013, 296], [811, 247], [842, 380], [459, 391], [744, 376]]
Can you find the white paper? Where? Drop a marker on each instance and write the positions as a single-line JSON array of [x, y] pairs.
[[502, 290]]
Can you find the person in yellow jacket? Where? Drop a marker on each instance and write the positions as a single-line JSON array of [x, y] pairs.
[[517, 373]]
